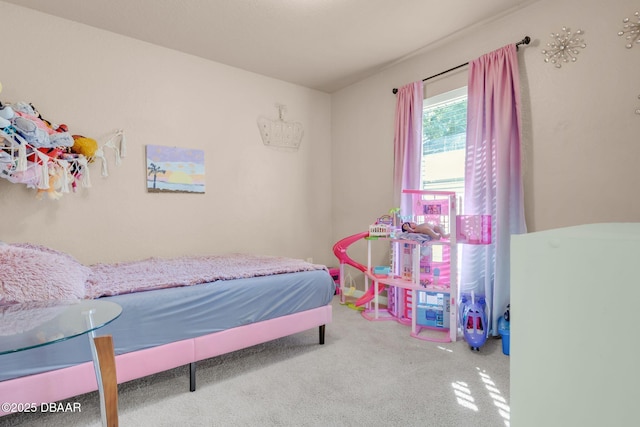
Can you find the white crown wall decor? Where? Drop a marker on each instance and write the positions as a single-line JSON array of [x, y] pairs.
[[280, 133]]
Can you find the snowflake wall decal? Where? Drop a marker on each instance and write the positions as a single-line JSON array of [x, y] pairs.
[[631, 31], [564, 47]]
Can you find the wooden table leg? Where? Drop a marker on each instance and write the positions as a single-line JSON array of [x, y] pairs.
[[107, 369]]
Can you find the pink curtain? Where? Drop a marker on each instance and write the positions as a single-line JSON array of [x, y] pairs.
[[407, 143], [493, 175]]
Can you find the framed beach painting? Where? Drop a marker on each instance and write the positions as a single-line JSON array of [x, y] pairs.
[[174, 170]]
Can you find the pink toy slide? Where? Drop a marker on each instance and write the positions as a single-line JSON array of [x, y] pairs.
[[369, 295], [340, 251]]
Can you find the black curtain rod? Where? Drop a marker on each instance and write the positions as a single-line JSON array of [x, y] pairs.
[[525, 40]]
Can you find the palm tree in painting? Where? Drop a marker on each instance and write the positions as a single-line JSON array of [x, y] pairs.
[[154, 170]]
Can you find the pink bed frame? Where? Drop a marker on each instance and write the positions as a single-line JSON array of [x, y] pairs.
[[64, 383]]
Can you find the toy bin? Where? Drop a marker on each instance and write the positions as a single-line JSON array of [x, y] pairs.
[[503, 329], [335, 275]]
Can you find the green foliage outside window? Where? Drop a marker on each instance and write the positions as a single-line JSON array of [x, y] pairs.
[[444, 126]]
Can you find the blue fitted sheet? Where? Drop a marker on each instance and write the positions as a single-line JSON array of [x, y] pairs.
[[158, 317]]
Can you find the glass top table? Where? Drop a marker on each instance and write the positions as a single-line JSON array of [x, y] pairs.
[[29, 325]]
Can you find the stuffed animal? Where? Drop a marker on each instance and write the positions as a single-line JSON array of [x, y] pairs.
[[45, 156], [53, 192], [52, 126], [85, 146], [36, 131]]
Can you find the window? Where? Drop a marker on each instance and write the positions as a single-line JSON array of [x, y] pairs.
[[444, 130]]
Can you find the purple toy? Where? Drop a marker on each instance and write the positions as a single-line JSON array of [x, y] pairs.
[[475, 324]]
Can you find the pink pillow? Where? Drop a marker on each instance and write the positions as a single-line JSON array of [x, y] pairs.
[[32, 273]]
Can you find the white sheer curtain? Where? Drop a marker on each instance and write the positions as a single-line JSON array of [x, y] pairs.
[[407, 143], [493, 175]]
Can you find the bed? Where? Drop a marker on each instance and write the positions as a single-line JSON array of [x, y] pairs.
[[175, 312]]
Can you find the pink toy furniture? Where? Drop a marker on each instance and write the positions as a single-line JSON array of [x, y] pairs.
[[422, 289]]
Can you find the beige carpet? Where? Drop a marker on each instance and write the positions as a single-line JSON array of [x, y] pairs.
[[367, 374]]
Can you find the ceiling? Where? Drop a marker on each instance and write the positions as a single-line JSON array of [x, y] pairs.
[[320, 44]]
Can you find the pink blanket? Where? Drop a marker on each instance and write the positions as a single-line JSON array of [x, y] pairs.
[[159, 273]]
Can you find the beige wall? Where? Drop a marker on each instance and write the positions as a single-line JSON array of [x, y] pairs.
[[580, 131], [257, 199], [580, 134]]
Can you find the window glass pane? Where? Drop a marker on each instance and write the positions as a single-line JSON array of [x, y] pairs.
[[443, 142]]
